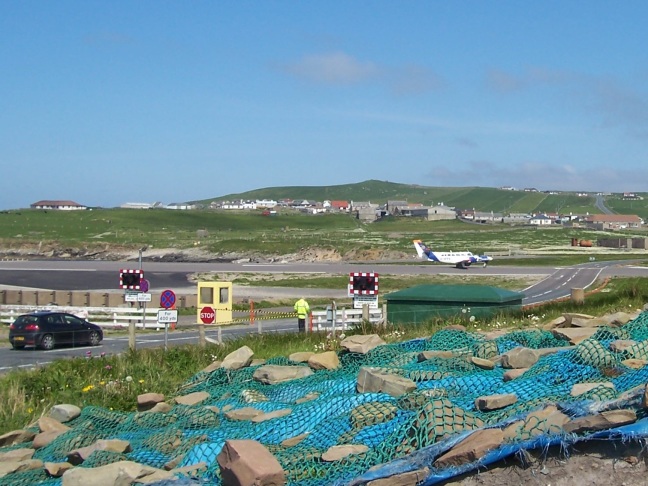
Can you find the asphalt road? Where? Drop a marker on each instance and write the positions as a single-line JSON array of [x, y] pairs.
[[89, 275]]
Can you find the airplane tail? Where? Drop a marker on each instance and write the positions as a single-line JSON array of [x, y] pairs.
[[421, 249]]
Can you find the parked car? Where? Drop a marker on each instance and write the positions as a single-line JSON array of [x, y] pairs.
[[46, 329]]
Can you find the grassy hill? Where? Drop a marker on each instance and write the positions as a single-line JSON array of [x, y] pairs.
[[479, 198]]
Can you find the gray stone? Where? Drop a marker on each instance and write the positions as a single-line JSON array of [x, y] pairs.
[[192, 398], [519, 357], [273, 374], [376, 380], [472, 448], [495, 402], [238, 359], [16, 437], [602, 421], [324, 361], [361, 344], [338, 452], [64, 412], [147, 401]]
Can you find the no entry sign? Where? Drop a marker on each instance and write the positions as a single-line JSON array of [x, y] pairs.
[[207, 315]]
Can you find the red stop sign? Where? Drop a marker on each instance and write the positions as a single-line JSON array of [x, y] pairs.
[[207, 315]]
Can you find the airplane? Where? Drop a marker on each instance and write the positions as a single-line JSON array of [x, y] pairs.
[[460, 259]]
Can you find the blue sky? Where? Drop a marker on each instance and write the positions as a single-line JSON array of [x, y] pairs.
[[106, 102]]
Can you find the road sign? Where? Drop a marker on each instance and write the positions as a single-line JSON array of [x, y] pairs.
[[207, 315], [167, 316], [143, 297], [359, 301], [167, 299], [130, 279], [130, 296], [144, 285]]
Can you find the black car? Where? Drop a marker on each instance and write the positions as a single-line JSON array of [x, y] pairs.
[[46, 329]]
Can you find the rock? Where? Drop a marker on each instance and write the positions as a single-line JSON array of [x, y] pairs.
[[375, 380], [17, 455], [602, 421], [519, 357], [361, 344], [495, 402], [514, 373], [249, 463], [16, 437], [472, 448], [425, 355], [191, 469], [253, 396], [213, 366], [549, 420], [45, 438], [300, 357], [245, 413], [621, 345], [410, 478], [263, 417], [547, 351], [338, 452], [634, 363], [48, 424], [192, 398], [580, 388], [484, 364], [146, 401], [78, 456], [574, 335], [273, 374], [161, 407], [238, 359], [561, 321], [324, 361], [57, 469], [293, 441], [64, 412], [117, 473], [10, 467]]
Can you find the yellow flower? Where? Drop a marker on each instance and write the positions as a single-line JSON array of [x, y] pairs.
[[87, 388], [141, 381], [102, 383], [30, 410]]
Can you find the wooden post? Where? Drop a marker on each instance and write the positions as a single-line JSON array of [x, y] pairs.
[[384, 316], [578, 296], [131, 334]]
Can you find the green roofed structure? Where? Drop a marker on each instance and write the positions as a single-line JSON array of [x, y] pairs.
[[425, 302]]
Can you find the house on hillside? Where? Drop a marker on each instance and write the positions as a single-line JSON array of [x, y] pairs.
[[541, 220], [141, 205], [57, 205], [613, 221], [342, 206], [180, 206]]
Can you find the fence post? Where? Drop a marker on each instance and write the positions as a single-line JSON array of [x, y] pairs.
[[251, 312], [201, 335], [131, 334], [384, 316]]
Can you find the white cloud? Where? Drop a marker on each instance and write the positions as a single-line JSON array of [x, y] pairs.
[[333, 68]]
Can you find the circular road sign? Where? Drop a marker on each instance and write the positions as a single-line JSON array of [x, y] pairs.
[[144, 285], [167, 299], [207, 315]]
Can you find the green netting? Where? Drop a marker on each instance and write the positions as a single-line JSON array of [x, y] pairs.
[[325, 409]]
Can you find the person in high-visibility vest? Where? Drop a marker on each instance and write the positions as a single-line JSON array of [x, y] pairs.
[[302, 309]]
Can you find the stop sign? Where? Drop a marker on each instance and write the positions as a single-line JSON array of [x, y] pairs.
[[207, 315]]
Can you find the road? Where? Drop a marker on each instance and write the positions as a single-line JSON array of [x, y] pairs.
[[66, 275]]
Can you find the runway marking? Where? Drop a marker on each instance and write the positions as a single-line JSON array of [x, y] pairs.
[[52, 269]]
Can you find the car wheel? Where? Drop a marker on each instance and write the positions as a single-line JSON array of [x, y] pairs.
[[18, 346], [47, 342], [94, 338]]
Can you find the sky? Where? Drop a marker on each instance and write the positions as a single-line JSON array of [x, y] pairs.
[[108, 102]]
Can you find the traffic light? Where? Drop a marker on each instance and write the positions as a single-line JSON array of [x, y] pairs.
[[130, 279], [363, 283]]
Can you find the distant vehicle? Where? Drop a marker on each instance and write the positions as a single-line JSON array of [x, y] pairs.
[[460, 259], [46, 329]]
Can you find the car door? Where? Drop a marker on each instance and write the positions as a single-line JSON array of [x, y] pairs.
[[55, 325], [76, 328]]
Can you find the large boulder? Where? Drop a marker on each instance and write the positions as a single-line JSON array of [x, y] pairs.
[[361, 344], [273, 374], [249, 463], [376, 380]]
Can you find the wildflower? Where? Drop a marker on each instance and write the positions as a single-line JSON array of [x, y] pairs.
[[87, 388], [141, 381], [129, 378], [108, 367], [102, 354], [102, 383], [88, 354], [30, 410]]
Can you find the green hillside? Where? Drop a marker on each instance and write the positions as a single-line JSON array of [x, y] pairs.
[[629, 206], [379, 192]]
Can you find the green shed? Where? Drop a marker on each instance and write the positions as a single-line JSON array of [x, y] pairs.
[[424, 302]]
